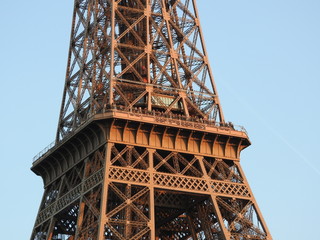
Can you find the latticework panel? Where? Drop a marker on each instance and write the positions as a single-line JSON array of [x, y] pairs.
[[242, 219], [181, 181], [146, 54], [133, 192], [193, 218], [64, 200], [128, 212]]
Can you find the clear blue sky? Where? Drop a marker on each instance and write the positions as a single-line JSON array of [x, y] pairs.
[[265, 57]]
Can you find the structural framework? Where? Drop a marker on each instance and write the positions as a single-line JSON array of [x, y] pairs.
[[142, 149]]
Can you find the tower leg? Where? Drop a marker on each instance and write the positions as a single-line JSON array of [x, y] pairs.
[[104, 197], [152, 203], [214, 201], [226, 235]]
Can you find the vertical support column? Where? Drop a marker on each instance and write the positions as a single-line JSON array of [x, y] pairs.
[[128, 213], [60, 128], [104, 194], [80, 216], [148, 51], [216, 98], [85, 54], [113, 3], [173, 54], [152, 223], [94, 58], [81, 202], [225, 232]]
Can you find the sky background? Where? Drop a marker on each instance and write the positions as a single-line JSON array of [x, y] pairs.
[[265, 56]]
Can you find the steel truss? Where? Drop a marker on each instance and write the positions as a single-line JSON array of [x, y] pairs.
[[113, 180], [142, 149], [137, 54]]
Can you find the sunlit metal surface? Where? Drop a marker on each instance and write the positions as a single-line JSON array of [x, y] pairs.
[[142, 148]]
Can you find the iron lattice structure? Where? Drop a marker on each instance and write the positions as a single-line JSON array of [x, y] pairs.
[[142, 149], [137, 53]]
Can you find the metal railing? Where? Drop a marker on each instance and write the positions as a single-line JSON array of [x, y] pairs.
[[43, 151], [54, 144], [211, 123]]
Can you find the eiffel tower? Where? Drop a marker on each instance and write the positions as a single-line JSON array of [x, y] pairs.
[[142, 149]]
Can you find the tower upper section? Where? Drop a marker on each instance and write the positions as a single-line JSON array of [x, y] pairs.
[[137, 54]]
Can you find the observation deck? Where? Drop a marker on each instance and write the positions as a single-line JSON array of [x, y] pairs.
[[156, 118]]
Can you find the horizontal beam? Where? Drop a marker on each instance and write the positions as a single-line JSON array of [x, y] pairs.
[[179, 183]]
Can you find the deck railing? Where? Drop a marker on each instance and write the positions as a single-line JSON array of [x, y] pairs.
[[143, 112]]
